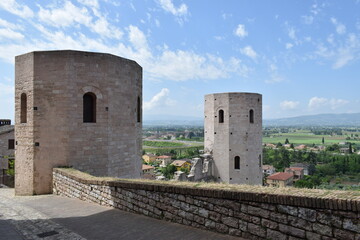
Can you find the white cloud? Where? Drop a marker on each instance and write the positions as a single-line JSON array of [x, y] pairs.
[[90, 3], [340, 28], [289, 105], [70, 15], [17, 9], [275, 78], [307, 19], [319, 102], [159, 99], [291, 33], [65, 16], [240, 31], [10, 34], [6, 24], [169, 6], [248, 51], [289, 45], [342, 52]]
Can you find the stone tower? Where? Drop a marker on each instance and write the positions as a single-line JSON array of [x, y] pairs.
[[78, 109], [233, 135]]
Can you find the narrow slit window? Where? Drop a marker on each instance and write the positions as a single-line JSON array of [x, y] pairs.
[[89, 108], [11, 144], [138, 110], [237, 162], [221, 116], [23, 108], [259, 160], [251, 116]]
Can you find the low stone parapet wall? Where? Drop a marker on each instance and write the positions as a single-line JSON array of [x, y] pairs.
[[249, 214]]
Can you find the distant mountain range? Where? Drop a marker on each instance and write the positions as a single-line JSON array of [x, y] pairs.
[[344, 119]]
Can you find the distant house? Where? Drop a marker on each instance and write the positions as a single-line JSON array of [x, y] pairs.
[[305, 166], [344, 150], [181, 164], [270, 145], [280, 179], [148, 172], [164, 160], [268, 169], [300, 147], [7, 146], [298, 172], [149, 158]]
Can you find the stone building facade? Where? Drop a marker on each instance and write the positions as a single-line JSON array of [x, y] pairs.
[[78, 109], [233, 135], [7, 146]]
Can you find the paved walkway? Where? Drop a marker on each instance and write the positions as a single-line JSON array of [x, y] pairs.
[[55, 217]]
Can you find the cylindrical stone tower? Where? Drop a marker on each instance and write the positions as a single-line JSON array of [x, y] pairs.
[[233, 135], [78, 109]]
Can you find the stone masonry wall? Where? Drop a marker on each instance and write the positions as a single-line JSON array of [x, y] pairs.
[[245, 214]]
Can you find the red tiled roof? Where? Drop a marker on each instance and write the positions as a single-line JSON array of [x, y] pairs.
[[282, 176], [146, 167], [163, 156]]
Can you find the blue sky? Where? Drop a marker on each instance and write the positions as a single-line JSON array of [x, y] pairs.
[[303, 56]]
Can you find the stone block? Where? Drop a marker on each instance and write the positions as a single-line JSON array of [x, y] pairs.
[[287, 210], [221, 228], [312, 236], [275, 235], [307, 214], [296, 232], [343, 234], [322, 229], [230, 221], [269, 224], [352, 225], [256, 230]]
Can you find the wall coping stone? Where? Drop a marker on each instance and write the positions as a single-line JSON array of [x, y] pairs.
[[319, 199]]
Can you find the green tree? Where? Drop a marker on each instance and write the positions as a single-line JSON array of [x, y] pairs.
[[323, 140], [168, 171], [287, 141], [350, 149]]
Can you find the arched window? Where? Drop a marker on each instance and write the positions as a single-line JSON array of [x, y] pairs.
[[221, 116], [138, 110], [251, 116], [89, 107], [237, 162], [23, 108]]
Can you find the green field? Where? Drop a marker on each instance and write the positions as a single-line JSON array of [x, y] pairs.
[[306, 137]]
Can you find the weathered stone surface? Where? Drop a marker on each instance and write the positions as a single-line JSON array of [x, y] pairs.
[[313, 236], [352, 225], [299, 223], [292, 231], [322, 229], [256, 230], [221, 228], [307, 214], [258, 212], [278, 217], [288, 210], [344, 235], [275, 235], [230, 221], [269, 224], [235, 232]]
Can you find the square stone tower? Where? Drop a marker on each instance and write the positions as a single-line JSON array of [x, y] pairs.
[[233, 135], [78, 109]]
